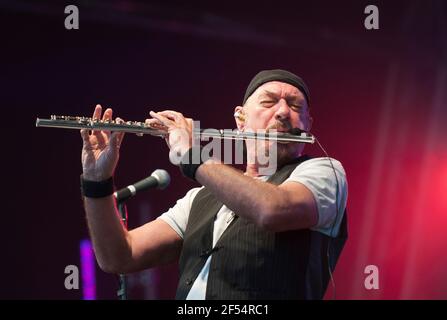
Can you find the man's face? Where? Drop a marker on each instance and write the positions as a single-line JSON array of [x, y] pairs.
[[277, 105]]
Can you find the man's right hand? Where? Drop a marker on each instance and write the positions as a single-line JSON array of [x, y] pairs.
[[100, 151]]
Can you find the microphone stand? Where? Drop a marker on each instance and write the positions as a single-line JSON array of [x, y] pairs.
[[122, 290], [160, 179]]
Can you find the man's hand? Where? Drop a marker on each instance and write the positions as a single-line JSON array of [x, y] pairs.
[[100, 151], [179, 132]]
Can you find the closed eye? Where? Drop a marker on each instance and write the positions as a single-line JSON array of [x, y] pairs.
[[268, 103], [297, 108]]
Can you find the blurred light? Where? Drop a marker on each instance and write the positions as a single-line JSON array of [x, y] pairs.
[[87, 270]]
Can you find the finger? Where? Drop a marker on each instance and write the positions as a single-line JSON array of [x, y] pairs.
[[171, 114], [107, 114], [161, 118], [116, 139], [155, 124], [177, 117], [153, 121], [97, 112], [85, 136], [96, 116], [118, 120], [119, 135], [107, 117], [102, 136]]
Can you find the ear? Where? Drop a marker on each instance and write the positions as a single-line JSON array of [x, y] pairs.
[[239, 116]]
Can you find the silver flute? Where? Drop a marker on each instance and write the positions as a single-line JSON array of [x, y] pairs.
[[142, 128]]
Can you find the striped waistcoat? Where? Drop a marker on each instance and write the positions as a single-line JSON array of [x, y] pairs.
[[251, 263]]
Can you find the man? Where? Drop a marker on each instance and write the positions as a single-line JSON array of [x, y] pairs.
[[242, 235]]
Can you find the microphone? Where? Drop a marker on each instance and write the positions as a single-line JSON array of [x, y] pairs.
[[158, 179]]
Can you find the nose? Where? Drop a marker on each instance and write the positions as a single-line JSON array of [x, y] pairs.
[[283, 112]]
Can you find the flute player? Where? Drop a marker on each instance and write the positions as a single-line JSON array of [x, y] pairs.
[[241, 235]]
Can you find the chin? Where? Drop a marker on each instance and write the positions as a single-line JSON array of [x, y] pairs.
[[288, 151], [285, 152]]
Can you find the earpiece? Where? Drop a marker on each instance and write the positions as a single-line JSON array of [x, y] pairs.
[[239, 115]]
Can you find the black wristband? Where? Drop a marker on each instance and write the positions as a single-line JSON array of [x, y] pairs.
[[191, 161], [97, 189]]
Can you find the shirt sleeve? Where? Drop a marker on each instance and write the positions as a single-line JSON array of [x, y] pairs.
[[177, 216], [318, 176]]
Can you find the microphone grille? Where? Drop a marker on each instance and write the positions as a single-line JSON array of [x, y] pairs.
[[162, 177]]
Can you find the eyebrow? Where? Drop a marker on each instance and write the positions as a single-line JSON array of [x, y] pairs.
[[289, 97]]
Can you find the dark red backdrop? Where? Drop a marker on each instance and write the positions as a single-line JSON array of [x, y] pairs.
[[378, 99]]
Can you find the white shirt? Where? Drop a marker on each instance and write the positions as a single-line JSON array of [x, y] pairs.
[[316, 174]]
